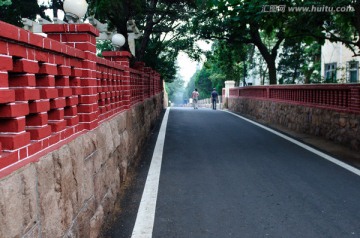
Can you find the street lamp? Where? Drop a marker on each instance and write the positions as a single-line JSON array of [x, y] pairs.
[[75, 10], [118, 41]]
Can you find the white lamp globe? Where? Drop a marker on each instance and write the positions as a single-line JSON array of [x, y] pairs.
[[76, 7], [118, 40]]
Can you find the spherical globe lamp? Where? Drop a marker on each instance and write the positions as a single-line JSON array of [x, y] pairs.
[[75, 10], [118, 41]]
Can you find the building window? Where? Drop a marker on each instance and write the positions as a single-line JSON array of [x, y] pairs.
[[353, 71], [330, 73]]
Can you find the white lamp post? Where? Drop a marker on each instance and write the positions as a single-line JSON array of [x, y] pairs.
[[75, 10], [118, 41]]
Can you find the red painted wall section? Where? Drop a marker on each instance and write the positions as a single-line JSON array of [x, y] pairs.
[[52, 89]]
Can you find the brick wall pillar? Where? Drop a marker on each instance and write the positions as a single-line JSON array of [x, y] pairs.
[[123, 58], [82, 37]]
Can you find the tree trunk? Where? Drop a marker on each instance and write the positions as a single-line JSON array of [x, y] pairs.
[[264, 51], [147, 31]]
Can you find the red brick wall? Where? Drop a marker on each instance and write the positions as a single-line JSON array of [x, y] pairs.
[[339, 97], [52, 89]]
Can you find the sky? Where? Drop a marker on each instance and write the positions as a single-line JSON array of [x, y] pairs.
[[187, 67]]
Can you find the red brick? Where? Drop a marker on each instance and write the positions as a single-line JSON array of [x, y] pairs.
[[14, 109], [72, 121], [56, 37], [64, 92], [88, 99], [22, 153], [86, 64], [26, 94], [73, 28], [34, 147], [12, 124], [76, 72], [75, 81], [57, 103], [87, 108], [76, 90], [38, 133], [14, 141], [3, 47], [26, 66], [36, 40], [45, 80], [70, 111], [88, 117], [38, 119], [46, 68], [89, 73], [78, 37], [90, 125], [71, 101], [4, 80], [6, 62], [64, 70], [57, 126], [56, 114], [17, 50], [22, 80], [41, 56], [67, 133], [85, 47], [39, 106], [88, 82], [48, 93], [59, 59], [54, 138], [7, 159], [7, 96], [88, 90], [62, 81]]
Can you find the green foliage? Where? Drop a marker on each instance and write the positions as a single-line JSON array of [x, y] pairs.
[[203, 83], [163, 24], [5, 3], [13, 11], [299, 63], [176, 90], [103, 45]]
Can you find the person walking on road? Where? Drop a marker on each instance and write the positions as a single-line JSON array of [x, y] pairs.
[[214, 98], [195, 96]]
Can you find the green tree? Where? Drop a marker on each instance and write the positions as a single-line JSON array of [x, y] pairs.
[[203, 83], [176, 90], [163, 24], [299, 63], [13, 11]]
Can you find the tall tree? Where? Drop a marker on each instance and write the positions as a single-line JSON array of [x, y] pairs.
[[13, 11], [251, 22], [163, 24]]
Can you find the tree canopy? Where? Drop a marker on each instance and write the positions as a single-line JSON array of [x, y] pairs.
[[285, 34]]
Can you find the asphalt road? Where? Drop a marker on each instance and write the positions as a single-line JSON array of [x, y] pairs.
[[222, 176]]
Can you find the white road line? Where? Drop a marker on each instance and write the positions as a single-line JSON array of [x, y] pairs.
[[146, 214], [319, 153]]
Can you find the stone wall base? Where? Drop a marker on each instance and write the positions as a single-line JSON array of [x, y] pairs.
[[70, 191], [339, 127]]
